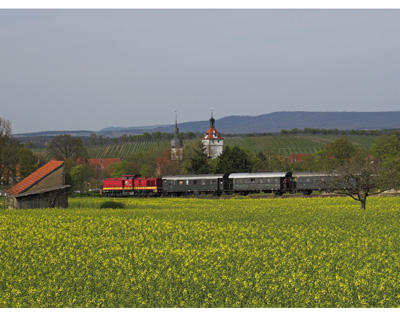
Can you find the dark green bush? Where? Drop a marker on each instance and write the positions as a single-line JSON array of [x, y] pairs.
[[112, 204]]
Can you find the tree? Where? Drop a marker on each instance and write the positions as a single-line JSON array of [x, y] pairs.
[[5, 128], [93, 139], [28, 162], [145, 162], [124, 167], [8, 153], [166, 166], [80, 176], [387, 152], [233, 159], [360, 177], [65, 146], [275, 162], [335, 154], [387, 147], [196, 161]]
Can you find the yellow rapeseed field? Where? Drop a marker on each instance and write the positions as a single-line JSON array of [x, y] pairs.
[[313, 252]]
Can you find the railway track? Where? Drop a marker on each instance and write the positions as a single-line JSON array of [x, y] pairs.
[[284, 196]]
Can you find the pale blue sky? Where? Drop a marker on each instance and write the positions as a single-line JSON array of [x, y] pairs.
[[90, 69]]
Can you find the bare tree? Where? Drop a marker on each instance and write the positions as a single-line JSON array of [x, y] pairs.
[[8, 153], [359, 178], [5, 128], [67, 147]]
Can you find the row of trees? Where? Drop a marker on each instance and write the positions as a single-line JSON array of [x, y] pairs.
[[16, 160], [101, 140], [95, 139], [334, 131]]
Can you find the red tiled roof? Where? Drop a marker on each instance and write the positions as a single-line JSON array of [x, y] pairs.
[[35, 176], [212, 133]]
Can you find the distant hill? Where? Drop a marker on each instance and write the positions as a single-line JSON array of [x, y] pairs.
[[275, 122], [266, 123]]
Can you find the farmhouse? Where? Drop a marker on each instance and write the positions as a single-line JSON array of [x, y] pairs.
[[44, 188]]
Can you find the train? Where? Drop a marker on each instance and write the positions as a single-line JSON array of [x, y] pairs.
[[277, 183]]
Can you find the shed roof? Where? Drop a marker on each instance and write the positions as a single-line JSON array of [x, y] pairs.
[[43, 191], [35, 177]]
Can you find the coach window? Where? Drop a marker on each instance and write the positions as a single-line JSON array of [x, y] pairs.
[[252, 180], [187, 182], [194, 181], [180, 182]]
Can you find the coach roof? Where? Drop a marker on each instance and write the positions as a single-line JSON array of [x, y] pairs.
[[310, 174], [259, 175], [194, 177]]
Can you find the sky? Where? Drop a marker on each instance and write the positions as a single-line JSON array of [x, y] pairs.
[[91, 69]]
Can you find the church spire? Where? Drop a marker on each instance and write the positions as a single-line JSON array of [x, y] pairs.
[[212, 120], [176, 129], [176, 142]]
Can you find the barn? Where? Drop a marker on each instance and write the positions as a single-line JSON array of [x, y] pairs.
[[44, 188]]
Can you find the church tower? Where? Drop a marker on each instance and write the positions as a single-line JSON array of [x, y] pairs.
[[176, 143], [213, 142]]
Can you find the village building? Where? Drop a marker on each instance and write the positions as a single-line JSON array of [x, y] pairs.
[[176, 144], [213, 142], [44, 188]]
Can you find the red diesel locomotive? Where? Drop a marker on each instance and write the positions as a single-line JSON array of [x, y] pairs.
[[132, 185]]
